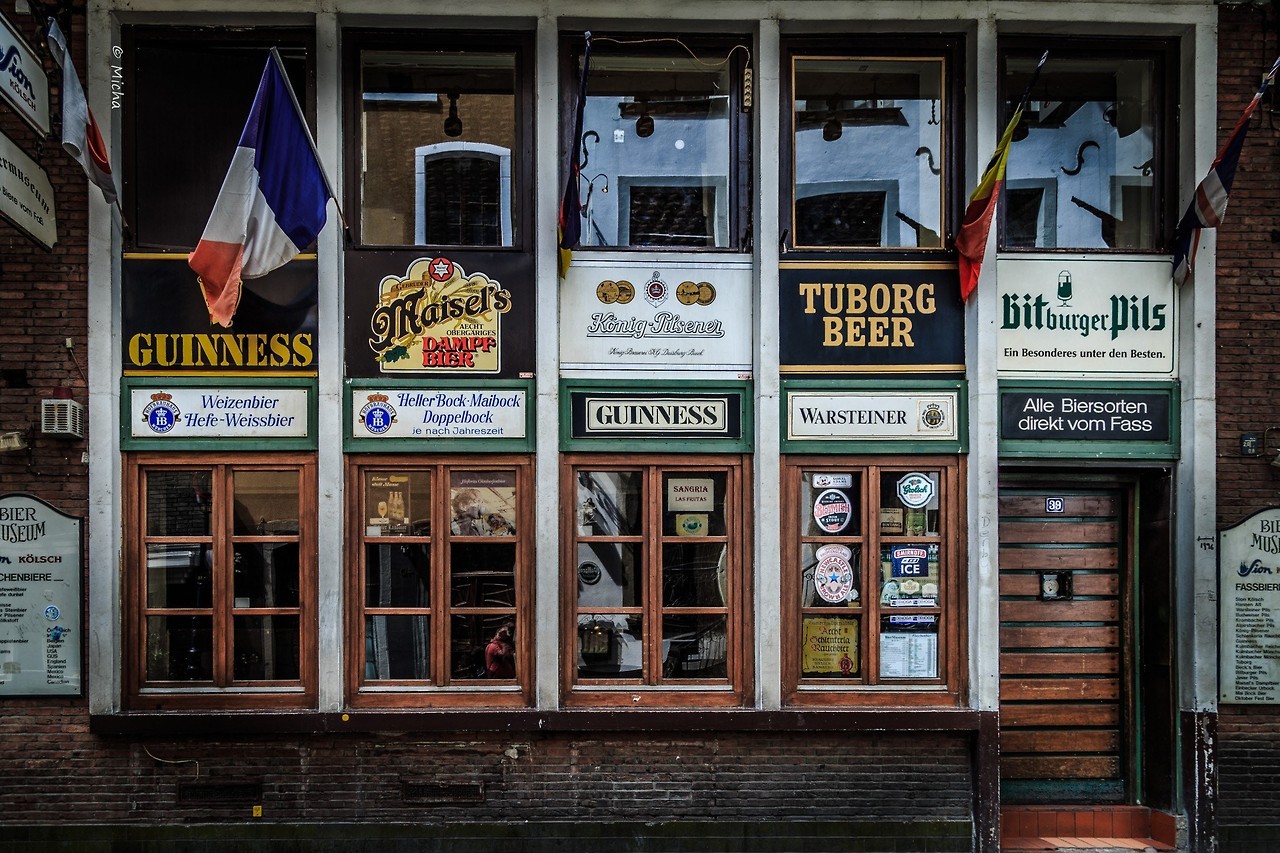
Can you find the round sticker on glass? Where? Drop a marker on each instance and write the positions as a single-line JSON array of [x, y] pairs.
[[833, 576], [915, 490], [832, 510]]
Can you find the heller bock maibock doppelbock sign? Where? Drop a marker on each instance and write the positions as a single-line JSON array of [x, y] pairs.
[[1086, 316], [428, 412]]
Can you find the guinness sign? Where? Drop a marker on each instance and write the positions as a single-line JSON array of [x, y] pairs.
[[656, 415]]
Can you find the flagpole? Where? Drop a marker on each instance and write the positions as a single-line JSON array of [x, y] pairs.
[[275, 55]]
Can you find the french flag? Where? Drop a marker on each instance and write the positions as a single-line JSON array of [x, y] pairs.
[[273, 201]]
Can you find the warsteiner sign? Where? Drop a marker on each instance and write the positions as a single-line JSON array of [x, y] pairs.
[[839, 317]]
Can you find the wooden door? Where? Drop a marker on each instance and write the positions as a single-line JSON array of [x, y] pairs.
[[1063, 694]]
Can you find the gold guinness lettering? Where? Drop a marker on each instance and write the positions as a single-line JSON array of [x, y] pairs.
[[220, 351]]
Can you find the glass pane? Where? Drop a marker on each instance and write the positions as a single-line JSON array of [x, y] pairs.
[[694, 647], [179, 503], [609, 503], [179, 648], [610, 575], [438, 130], [266, 648], [831, 575], [909, 575], [830, 647], [695, 575], [909, 645], [845, 108], [397, 575], [655, 148], [397, 503], [266, 503], [397, 647], [483, 647], [831, 503], [693, 503], [266, 574], [179, 575], [482, 503], [909, 503], [482, 574], [1087, 144], [610, 646]]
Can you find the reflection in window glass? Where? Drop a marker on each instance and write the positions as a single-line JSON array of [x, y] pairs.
[[179, 503], [1087, 142], [610, 645], [265, 574], [266, 648], [266, 503], [438, 130], [608, 503], [868, 155], [655, 143], [694, 646], [179, 648], [397, 647]]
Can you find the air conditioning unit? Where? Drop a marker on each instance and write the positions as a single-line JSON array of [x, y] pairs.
[[62, 417]]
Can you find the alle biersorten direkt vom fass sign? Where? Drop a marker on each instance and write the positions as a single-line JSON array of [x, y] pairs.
[[40, 629], [1077, 316], [1249, 610]]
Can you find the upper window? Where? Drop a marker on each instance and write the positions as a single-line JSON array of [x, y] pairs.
[[663, 147], [1089, 167], [870, 148], [437, 131], [222, 590]]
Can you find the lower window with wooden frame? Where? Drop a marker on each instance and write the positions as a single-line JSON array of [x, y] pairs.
[[220, 581], [655, 580], [872, 580], [439, 582]]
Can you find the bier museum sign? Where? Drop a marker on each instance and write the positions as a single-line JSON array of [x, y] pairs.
[[40, 601], [674, 316], [1072, 315], [1249, 610]]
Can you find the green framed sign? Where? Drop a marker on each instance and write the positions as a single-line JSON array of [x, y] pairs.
[[875, 416], [216, 413], [1089, 420], [438, 415], [656, 416]]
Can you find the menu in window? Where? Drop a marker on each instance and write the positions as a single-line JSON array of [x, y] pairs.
[[909, 646]]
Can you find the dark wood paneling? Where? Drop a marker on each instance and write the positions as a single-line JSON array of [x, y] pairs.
[[1070, 610], [1059, 532], [1058, 689], [1061, 767], [1082, 584], [1059, 558], [1097, 715], [1052, 740], [1052, 663], [1077, 506], [1060, 638]]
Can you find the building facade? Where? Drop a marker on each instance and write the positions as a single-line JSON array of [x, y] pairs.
[[743, 528]]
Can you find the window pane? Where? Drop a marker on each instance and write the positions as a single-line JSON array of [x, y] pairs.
[[179, 503], [397, 647], [266, 574], [179, 648], [609, 503], [831, 503], [397, 503], [397, 575], [868, 150], [909, 503], [482, 503], [830, 647], [694, 647], [1088, 145], [266, 503], [266, 648], [831, 575], [909, 575], [694, 503], [694, 575], [483, 647], [438, 130], [610, 646], [656, 140], [179, 575], [482, 574], [909, 645], [609, 575]]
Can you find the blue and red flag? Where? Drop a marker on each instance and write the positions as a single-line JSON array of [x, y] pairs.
[[1210, 201], [569, 225]]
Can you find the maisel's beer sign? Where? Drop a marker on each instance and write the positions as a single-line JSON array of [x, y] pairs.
[[658, 415], [839, 317]]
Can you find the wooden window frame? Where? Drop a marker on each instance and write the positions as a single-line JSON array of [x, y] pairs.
[[947, 690], [950, 50], [735, 689], [177, 695], [436, 692]]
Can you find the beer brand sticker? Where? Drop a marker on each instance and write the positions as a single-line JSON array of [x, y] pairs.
[[909, 561], [915, 490], [691, 524], [161, 414], [932, 416], [831, 510], [832, 481], [437, 317], [656, 290], [378, 415], [833, 576]]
